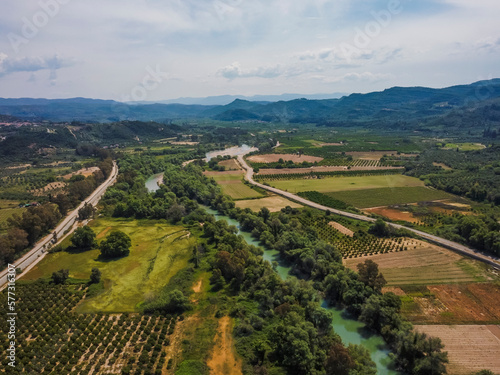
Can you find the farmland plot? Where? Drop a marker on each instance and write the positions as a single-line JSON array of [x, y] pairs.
[[422, 263], [470, 347], [327, 185], [58, 340], [274, 203], [232, 184]]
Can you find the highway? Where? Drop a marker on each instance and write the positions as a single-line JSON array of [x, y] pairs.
[[464, 250], [30, 259]]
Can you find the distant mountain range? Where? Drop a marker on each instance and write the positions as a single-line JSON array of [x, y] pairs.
[[226, 99], [394, 104]]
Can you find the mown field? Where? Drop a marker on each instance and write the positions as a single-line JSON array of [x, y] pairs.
[[423, 264], [470, 348], [328, 185], [158, 252], [273, 203], [389, 196]]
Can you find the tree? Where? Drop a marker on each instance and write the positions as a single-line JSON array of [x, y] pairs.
[[95, 276], [60, 277], [380, 228], [84, 238], [117, 244], [265, 214], [176, 302], [369, 275], [86, 212], [176, 212]]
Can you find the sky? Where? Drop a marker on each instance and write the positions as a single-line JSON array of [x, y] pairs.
[[152, 50]]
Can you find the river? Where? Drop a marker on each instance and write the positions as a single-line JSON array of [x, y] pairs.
[[351, 331], [152, 183], [231, 151]]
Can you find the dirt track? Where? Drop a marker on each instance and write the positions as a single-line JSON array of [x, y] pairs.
[[223, 360]]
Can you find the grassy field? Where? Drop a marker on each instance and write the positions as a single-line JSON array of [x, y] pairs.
[[158, 252], [240, 191], [274, 203], [389, 196], [464, 146], [232, 185], [7, 209], [327, 185]]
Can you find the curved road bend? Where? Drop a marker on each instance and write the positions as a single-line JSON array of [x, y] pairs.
[[493, 261], [39, 249]]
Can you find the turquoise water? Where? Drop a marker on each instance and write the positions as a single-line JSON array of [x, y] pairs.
[[351, 331], [232, 151], [152, 182]]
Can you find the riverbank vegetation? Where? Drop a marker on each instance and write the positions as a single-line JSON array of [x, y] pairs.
[[272, 307]]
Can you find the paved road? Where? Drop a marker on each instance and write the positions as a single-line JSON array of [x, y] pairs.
[[493, 261], [39, 249]]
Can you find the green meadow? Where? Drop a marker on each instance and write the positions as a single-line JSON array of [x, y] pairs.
[[159, 250]]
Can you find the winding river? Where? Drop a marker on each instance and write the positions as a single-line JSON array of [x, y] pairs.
[[351, 331]]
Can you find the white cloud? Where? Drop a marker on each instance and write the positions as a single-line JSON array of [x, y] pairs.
[[234, 71], [32, 64], [279, 46], [355, 77]]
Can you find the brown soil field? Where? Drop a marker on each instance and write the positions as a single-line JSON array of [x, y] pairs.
[[425, 264], [84, 171], [392, 214], [319, 169], [270, 158], [341, 228], [223, 360], [469, 302], [231, 165], [453, 304], [274, 203], [470, 348]]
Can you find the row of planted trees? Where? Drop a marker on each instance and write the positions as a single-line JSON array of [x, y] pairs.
[[52, 338]]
